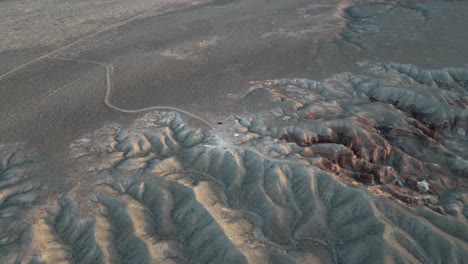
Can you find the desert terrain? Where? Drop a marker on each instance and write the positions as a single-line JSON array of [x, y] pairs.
[[233, 131]]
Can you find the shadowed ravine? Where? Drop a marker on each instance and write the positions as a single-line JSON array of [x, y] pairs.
[[303, 131], [162, 191]]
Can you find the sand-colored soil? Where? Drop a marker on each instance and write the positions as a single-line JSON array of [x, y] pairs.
[[234, 132], [320, 172]]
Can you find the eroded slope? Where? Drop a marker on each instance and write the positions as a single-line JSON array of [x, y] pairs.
[[309, 173]]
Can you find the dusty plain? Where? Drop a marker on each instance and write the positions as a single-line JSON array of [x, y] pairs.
[[233, 131]]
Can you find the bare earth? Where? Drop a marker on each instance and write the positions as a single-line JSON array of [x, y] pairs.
[[233, 131]]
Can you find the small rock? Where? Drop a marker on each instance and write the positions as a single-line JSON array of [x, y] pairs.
[[423, 186], [399, 182]]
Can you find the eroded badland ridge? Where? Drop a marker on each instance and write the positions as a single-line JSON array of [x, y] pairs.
[[363, 162]]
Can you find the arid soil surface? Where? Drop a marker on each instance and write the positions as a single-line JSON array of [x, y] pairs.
[[248, 131]]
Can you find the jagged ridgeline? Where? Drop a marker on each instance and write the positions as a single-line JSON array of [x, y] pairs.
[[18, 193], [354, 169]]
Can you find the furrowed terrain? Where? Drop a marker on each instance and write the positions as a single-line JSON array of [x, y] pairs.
[[354, 169], [234, 132]]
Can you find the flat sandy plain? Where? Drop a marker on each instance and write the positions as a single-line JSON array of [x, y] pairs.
[[233, 131]]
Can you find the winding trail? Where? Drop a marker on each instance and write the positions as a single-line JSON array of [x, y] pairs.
[[47, 55], [109, 73], [109, 69]]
